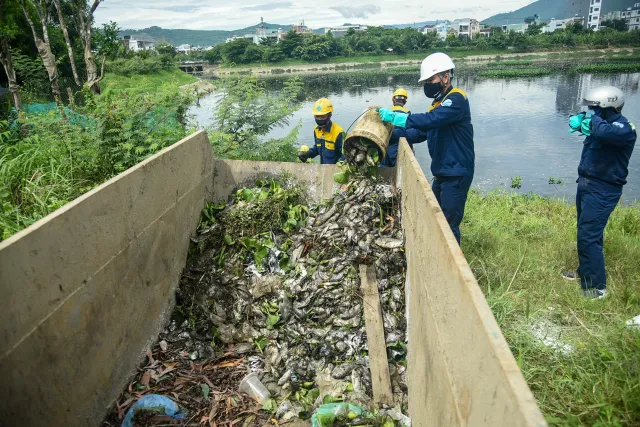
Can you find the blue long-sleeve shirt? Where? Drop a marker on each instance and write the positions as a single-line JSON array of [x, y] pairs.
[[449, 134], [606, 152]]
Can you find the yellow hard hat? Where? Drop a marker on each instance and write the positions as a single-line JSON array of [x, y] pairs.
[[401, 92], [322, 106], [303, 149]]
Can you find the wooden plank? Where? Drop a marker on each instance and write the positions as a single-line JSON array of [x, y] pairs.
[[378, 364]]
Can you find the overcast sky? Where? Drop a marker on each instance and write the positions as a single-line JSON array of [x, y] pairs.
[[235, 14]]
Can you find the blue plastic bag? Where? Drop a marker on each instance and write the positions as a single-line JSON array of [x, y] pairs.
[[153, 401]]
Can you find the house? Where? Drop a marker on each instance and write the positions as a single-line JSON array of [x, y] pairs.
[[441, 28], [595, 12], [262, 33], [632, 17], [140, 43], [518, 28], [302, 29], [610, 16], [184, 49], [486, 32], [561, 24], [466, 27], [342, 30]]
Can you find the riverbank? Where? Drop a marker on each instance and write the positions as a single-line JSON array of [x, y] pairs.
[[580, 359], [386, 62]]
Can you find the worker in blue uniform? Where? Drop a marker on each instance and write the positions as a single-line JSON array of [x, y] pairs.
[[449, 131], [328, 136], [413, 136], [603, 170]]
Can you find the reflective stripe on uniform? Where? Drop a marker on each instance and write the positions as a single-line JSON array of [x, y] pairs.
[[454, 90]]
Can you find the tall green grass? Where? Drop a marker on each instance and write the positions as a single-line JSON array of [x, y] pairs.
[[47, 161], [609, 68], [517, 247], [515, 72]]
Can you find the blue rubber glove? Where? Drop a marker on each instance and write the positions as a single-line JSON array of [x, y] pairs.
[[575, 122], [400, 120], [585, 128], [386, 114]]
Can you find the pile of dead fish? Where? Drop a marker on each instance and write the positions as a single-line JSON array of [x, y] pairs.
[[362, 152], [289, 299]]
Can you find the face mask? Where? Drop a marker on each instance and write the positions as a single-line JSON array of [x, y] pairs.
[[431, 90], [321, 123]]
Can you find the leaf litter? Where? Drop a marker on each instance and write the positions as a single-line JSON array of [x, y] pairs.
[[271, 286]]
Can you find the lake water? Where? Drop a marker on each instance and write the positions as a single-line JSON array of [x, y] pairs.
[[520, 124]]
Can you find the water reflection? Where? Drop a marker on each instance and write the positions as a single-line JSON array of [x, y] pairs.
[[520, 124]]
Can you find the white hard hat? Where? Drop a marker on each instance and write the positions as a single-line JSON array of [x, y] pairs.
[[433, 64], [604, 97]]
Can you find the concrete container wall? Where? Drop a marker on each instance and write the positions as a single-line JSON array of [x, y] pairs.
[[460, 369], [87, 289]]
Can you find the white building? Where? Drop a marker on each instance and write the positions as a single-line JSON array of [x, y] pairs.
[[137, 44], [441, 28], [561, 24], [518, 28], [466, 27], [342, 30], [632, 16], [595, 12], [184, 49]]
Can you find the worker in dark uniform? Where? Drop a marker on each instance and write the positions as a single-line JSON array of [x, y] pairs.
[[413, 136], [602, 173], [449, 131], [328, 136]]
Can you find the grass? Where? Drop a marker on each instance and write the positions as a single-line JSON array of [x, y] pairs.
[[515, 72], [407, 69], [517, 246], [514, 63], [147, 83], [609, 68]]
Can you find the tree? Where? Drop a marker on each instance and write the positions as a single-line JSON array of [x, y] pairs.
[[213, 55], [272, 54], [247, 112], [107, 40], [164, 48], [8, 27], [84, 15], [43, 45], [67, 40], [233, 51], [534, 29], [615, 24], [252, 53], [291, 41]]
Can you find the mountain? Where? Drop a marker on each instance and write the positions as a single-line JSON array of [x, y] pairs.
[[412, 25], [197, 37], [548, 9]]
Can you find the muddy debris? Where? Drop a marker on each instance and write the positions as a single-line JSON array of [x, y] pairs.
[[271, 287]]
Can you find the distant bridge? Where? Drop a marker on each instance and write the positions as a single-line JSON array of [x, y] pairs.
[[192, 67]]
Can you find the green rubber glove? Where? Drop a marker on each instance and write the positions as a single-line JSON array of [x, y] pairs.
[[576, 121], [400, 120], [585, 128], [386, 115]]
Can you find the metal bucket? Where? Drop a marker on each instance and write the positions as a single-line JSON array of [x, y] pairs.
[[369, 131]]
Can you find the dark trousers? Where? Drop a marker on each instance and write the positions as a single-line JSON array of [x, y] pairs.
[[594, 206], [451, 193]]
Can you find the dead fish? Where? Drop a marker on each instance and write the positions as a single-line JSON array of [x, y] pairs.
[[341, 371], [388, 243]]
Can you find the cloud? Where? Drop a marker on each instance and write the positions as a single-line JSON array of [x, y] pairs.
[[357, 12], [270, 6]]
